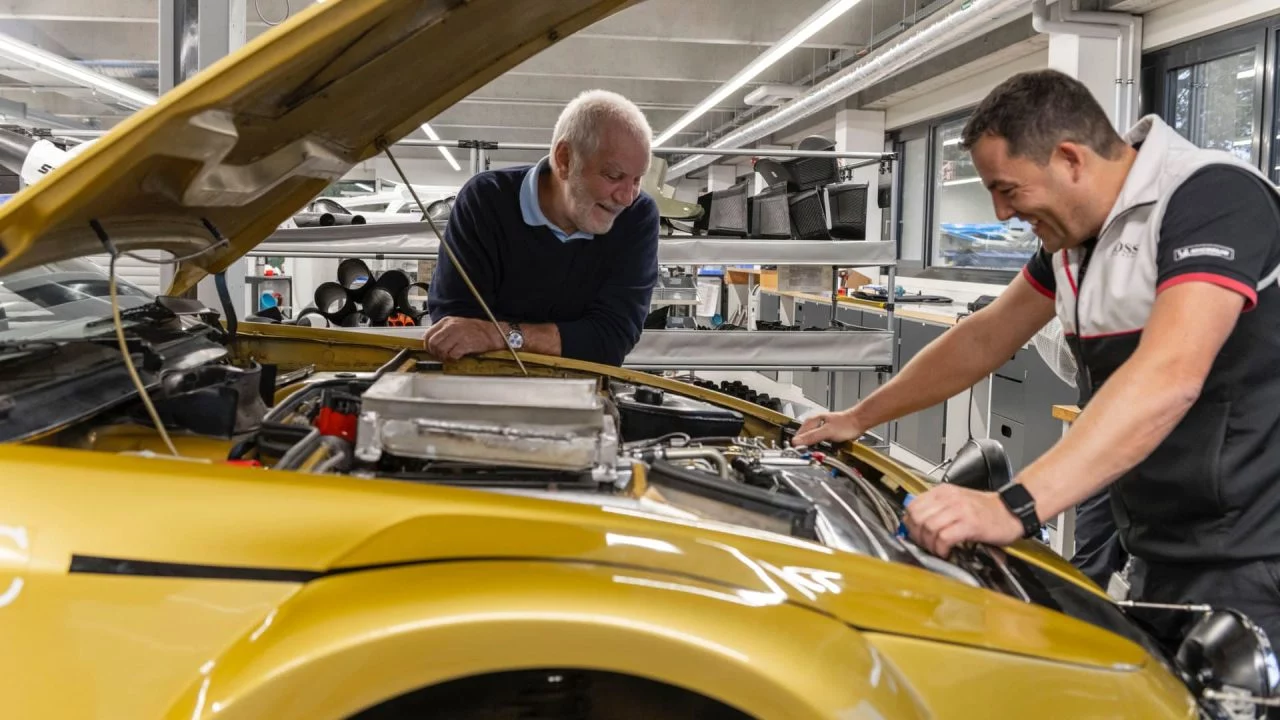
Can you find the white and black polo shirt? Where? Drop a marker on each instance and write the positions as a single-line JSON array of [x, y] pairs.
[[1211, 491]]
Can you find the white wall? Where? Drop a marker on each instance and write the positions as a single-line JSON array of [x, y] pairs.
[[1187, 19], [960, 94]]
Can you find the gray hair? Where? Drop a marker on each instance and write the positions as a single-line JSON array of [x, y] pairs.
[[585, 117]]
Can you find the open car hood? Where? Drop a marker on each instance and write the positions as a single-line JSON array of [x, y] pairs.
[[249, 141]]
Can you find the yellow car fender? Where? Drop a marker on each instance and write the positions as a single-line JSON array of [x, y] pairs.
[[350, 641]]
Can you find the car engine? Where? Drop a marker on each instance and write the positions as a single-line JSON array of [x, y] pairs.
[[596, 441]]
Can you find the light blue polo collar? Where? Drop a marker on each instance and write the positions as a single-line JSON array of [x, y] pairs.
[[531, 209]]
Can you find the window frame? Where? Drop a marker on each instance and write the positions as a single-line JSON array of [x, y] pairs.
[[925, 268], [1261, 36]]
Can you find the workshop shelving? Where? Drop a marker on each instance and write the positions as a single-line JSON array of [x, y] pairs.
[[838, 349]]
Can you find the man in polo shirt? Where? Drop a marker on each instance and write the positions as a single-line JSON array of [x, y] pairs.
[[1161, 261], [565, 253]]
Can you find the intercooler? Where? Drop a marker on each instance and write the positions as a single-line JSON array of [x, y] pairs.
[[552, 423]]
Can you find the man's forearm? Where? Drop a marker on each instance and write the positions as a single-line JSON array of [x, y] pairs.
[[957, 360], [1131, 415]]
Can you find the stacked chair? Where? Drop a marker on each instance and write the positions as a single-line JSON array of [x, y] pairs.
[[803, 199]]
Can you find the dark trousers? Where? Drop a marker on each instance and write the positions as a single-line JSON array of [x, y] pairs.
[[1098, 550], [1252, 588]]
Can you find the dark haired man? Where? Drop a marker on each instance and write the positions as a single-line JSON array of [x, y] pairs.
[[1161, 261]]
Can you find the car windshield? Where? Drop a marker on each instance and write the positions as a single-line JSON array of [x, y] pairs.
[[60, 301]]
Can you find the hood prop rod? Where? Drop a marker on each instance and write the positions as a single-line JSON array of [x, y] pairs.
[[386, 149]]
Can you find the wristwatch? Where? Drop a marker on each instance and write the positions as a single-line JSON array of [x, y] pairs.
[[1019, 502], [515, 336]]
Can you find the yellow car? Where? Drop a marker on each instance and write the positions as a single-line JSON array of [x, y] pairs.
[[346, 528]]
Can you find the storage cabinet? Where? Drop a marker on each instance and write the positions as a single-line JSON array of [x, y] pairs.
[[1012, 435], [922, 433], [868, 382], [1023, 393]]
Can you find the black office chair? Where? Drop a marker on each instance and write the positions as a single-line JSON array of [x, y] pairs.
[[771, 214], [847, 205], [775, 175], [701, 222], [807, 173], [808, 216], [725, 212]]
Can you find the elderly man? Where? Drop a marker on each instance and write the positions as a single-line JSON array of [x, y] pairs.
[[563, 252]]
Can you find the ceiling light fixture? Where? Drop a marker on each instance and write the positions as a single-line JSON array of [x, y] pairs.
[[59, 67], [802, 32], [431, 133]]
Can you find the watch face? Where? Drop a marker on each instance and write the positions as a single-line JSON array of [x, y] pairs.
[[516, 339]]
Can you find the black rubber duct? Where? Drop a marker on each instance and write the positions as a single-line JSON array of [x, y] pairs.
[[333, 301], [394, 281], [311, 317], [378, 304], [356, 319], [356, 277], [404, 305]]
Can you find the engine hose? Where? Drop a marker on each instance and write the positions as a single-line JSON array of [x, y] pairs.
[[333, 454], [238, 451], [296, 455], [888, 514]]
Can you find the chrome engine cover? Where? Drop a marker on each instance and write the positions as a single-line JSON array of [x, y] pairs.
[[551, 423]]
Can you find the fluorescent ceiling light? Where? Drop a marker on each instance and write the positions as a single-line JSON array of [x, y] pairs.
[[1245, 74], [817, 21], [431, 133], [952, 141], [59, 67]]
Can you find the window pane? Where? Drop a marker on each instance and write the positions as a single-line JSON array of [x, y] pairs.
[[1214, 104], [966, 232], [915, 162]]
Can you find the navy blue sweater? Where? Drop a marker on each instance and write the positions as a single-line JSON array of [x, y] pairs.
[[597, 291]]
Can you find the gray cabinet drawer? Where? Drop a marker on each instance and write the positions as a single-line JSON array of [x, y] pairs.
[[1008, 398], [1016, 367], [922, 433], [769, 305], [1012, 435]]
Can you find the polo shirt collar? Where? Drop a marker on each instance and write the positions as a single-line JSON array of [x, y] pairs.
[[531, 209]]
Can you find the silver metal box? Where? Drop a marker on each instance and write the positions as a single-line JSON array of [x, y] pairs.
[[521, 422]]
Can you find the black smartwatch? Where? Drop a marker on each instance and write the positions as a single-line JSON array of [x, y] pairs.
[[1019, 502]]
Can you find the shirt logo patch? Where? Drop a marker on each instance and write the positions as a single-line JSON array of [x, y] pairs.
[[1221, 252], [1125, 249]]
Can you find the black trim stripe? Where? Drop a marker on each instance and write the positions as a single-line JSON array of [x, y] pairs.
[[93, 565]]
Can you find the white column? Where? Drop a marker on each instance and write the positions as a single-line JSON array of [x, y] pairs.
[[720, 177], [863, 131], [1092, 61]]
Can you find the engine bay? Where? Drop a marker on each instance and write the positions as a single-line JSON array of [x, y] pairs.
[[596, 441]]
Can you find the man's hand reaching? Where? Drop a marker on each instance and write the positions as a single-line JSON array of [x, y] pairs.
[[456, 337], [829, 426], [949, 515]]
